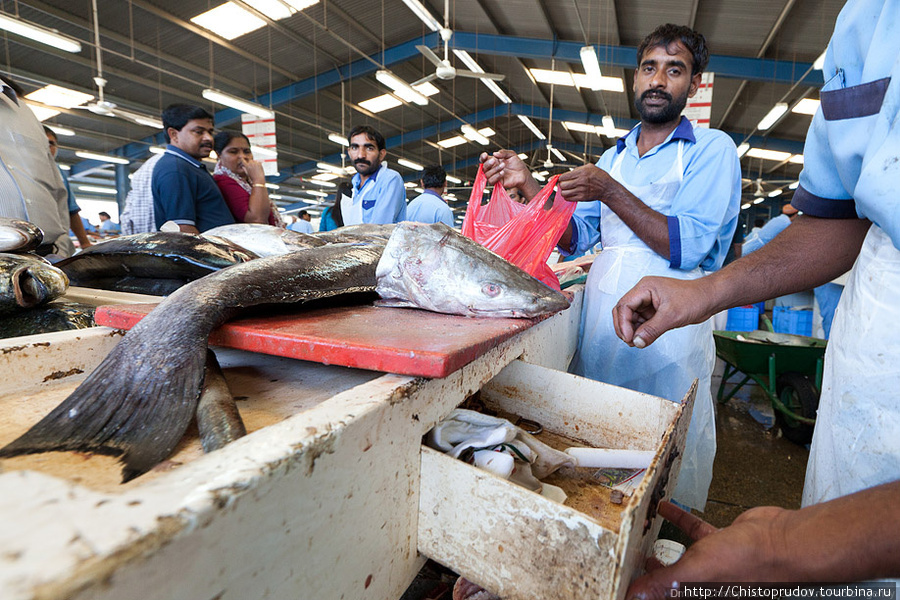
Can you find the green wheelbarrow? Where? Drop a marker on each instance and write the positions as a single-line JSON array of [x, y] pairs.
[[787, 367]]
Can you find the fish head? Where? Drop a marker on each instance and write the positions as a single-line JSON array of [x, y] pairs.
[[18, 235], [436, 268], [34, 281]]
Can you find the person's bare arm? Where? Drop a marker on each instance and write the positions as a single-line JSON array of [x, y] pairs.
[[188, 228], [589, 183], [853, 538], [260, 206], [77, 228], [810, 252]]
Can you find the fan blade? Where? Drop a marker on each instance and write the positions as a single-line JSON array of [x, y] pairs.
[[431, 56], [474, 75], [425, 79]]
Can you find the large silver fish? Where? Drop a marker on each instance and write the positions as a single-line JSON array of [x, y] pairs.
[[138, 402], [27, 280], [19, 236], [264, 240], [47, 318]]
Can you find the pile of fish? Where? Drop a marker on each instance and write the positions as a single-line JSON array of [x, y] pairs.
[[139, 401]]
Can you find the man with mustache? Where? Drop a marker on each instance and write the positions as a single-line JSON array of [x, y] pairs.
[[664, 200], [378, 192], [183, 189]]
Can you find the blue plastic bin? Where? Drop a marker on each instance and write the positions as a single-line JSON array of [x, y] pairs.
[[789, 320], [743, 318]]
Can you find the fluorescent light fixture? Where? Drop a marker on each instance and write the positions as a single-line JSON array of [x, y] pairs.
[[607, 84], [338, 139], [530, 125], [472, 134], [773, 115], [775, 193], [61, 130], [591, 67], [553, 77], [426, 89], [742, 149], [102, 157], [612, 133], [611, 84], [556, 153], [819, 63], [42, 112], [807, 106], [400, 87], [409, 185], [794, 185], [38, 33], [325, 176], [350, 170], [330, 167], [261, 152], [608, 122], [450, 142], [486, 131], [582, 127], [156, 149], [523, 156], [272, 186], [453, 179], [315, 193], [410, 164], [746, 206], [238, 103], [69, 167], [274, 9], [322, 183], [758, 200], [490, 84], [275, 197], [768, 154], [149, 122], [419, 190], [796, 159], [54, 95], [380, 103], [228, 21], [423, 14], [97, 190]]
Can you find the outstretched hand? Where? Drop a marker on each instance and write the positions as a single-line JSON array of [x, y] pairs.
[[656, 305], [742, 552]]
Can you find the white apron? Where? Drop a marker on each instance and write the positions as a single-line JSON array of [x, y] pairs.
[[856, 443], [668, 367]]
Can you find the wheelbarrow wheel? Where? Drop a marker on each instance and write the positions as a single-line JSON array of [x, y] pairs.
[[799, 395]]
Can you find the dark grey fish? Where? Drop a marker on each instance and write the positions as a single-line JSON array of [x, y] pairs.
[[357, 233], [264, 240], [27, 280], [138, 402], [159, 255], [19, 236], [218, 418], [55, 316]]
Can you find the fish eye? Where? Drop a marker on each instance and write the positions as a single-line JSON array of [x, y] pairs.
[[491, 289]]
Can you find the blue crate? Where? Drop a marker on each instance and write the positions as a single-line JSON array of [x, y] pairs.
[[743, 318], [789, 320]]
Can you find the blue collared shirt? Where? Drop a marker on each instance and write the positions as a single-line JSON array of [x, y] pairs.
[[704, 212], [850, 159], [384, 197], [185, 192], [429, 207]]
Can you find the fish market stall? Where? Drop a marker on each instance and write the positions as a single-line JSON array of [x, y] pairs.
[[331, 495]]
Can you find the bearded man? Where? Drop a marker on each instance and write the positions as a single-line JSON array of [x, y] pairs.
[[378, 192]]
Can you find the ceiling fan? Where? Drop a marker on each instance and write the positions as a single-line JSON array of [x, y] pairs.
[[444, 70]]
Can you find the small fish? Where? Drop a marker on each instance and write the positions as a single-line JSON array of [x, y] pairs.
[[264, 240], [218, 418], [19, 236], [27, 280]]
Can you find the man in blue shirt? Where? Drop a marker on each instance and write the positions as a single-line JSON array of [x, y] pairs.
[[664, 200], [430, 206], [378, 192], [183, 190]]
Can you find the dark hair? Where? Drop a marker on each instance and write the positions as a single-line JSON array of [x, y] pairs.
[[371, 133], [104, 214], [15, 86], [345, 188], [433, 176], [668, 34], [302, 214], [177, 116], [223, 138], [51, 133]]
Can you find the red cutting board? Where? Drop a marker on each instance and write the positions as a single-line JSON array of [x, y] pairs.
[[392, 340]]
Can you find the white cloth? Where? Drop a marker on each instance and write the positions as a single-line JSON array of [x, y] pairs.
[[856, 443], [669, 366], [138, 215]]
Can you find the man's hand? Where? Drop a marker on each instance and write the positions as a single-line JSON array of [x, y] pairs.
[[506, 167], [585, 184], [656, 305], [742, 552]]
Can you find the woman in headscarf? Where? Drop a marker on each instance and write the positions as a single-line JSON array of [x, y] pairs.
[[242, 181]]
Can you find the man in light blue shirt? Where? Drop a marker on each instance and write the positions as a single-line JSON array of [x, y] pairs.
[[378, 192], [765, 234], [430, 206], [664, 201]]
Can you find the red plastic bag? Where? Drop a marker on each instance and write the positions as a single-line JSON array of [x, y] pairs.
[[527, 239]]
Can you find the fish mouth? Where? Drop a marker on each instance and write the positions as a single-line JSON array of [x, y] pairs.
[[30, 291]]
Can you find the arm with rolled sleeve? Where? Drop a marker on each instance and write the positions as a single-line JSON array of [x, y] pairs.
[[705, 210], [821, 192], [390, 206]]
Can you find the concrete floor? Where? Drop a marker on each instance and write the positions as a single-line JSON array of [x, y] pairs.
[[754, 466]]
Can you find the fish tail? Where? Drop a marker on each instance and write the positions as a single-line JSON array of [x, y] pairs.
[[218, 418], [123, 411]]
